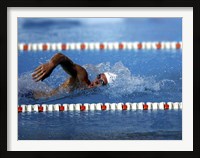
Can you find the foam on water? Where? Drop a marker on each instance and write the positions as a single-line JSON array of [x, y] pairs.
[[127, 83]]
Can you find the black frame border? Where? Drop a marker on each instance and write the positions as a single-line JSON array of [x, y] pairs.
[[97, 3]]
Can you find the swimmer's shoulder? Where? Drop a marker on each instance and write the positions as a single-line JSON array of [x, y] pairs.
[[80, 69], [82, 74]]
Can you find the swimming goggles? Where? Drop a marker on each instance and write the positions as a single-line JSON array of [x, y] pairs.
[[99, 78]]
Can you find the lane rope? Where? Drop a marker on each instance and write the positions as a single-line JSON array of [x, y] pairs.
[[100, 106], [165, 45]]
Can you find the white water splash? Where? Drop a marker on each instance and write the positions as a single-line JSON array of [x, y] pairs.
[[26, 83], [126, 83]]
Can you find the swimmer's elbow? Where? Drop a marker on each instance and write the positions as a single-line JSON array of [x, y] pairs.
[[59, 54]]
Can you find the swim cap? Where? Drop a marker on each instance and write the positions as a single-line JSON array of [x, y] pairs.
[[110, 77]]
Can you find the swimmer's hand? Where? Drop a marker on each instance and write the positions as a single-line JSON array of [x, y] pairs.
[[43, 71]]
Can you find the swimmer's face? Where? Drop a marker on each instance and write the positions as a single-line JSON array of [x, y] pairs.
[[99, 81]]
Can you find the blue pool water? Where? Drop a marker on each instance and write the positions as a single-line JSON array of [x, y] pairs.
[[143, 76]]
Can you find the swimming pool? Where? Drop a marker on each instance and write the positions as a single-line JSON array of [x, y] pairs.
[[143, 76]]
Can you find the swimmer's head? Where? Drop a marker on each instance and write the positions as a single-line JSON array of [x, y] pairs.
[[103, 79]]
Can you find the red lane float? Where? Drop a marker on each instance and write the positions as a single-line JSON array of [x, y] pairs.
[[40, 108], [61, 108], [124, 107], [19, 109], [145, 107], [82, 108], [101, 106], [174, 45]]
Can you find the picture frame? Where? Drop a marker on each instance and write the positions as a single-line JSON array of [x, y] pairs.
[[4, 80]]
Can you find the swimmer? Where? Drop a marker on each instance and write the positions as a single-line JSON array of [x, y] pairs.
[[78, 76]]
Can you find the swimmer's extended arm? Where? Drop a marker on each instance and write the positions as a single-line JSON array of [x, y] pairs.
[[76, 72], [43, 71]]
